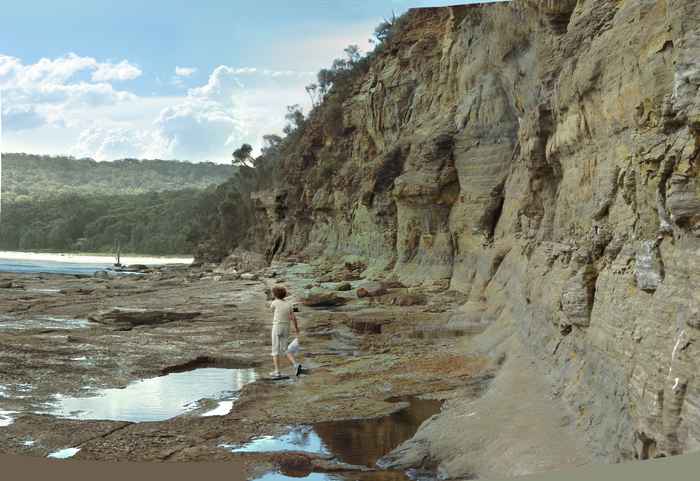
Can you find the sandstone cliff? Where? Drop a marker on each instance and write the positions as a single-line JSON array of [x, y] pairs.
[[541, 157]]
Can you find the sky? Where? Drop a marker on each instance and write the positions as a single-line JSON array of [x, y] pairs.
[[168, 79]]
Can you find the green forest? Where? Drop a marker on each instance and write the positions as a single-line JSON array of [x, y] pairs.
[[28, 178], [80, 205]]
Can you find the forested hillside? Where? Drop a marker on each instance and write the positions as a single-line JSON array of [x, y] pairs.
[[79, 205], [29, 177]]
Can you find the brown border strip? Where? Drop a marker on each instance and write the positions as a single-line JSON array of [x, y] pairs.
[[32, 468], [678, 467], [25, 467]]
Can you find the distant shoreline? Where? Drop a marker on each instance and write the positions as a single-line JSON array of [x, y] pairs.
[[94, 258]]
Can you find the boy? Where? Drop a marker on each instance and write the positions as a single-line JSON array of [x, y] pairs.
[[283, 314]]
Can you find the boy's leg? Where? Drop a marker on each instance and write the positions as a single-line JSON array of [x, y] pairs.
[[297, 367], [275, 351]]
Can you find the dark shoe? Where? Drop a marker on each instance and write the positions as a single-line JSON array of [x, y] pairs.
[[299, 369]]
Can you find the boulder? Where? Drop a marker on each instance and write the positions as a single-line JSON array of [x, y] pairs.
[[371, 289], [317, 298], [124, 317], [345, 286], [242, 260], [406, 300], [249, 277]]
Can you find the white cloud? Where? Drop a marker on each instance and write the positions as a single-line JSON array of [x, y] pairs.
[[67, 106], [52, 71], [121, 71], [185, 71], [21, 118], [247, 71], [220, 87], [102, 143], [49, 92]]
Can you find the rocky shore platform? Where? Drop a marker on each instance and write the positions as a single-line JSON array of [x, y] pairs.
[[369, 347]]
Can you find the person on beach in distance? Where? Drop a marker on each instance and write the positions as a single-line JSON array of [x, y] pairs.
[[283, 316]]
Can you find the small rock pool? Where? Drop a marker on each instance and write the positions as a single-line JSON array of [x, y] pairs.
[[54, 323], [159, 398], [358, 442]]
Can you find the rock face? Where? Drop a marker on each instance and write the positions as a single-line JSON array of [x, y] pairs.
[[541, 157], [242, 261]]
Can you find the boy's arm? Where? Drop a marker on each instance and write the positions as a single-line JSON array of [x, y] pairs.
[[293, 317]]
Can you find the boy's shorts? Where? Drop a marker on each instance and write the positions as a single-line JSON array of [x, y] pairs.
[[279, 340]]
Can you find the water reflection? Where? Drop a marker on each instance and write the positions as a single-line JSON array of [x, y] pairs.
[[277, 476], [364, 441], [299, 439], [156, 399], [64, 453], [355, 476], [6, 418], [43, 323], [360, 442]]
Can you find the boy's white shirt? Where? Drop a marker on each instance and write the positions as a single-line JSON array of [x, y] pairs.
[[284, 313]]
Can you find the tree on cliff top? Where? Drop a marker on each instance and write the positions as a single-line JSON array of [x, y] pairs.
[[241, 156], [383, 31], [295, 117], [271, 144]]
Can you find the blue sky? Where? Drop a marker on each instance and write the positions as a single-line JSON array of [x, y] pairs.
[[167, 79]]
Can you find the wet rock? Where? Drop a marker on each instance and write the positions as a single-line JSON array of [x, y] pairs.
[[104, 275], [344, 287], [137, 268], [294, 465], [648, 270], [120, 317], [329, 466]]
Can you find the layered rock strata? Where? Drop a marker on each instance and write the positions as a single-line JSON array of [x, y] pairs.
[[542, 158]]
